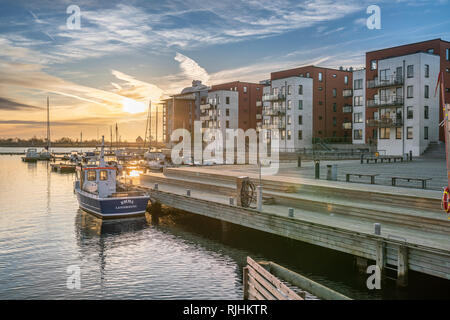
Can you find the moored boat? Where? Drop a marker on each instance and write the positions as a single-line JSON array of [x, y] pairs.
[[98, 192], [31, 155]]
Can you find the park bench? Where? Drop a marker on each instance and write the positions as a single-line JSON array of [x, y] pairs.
[[359, 175], [423, 180], [383, 158]]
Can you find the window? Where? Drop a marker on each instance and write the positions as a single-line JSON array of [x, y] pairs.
[[289, 90], [334, 93], [385, 133], [320, 76], [320, 88], [288, 119], [103, 175], [357, 134], [358, 84], [245, 89], [227, 124], [375, 133], [357, 117], [427, 71], [289, 104], [289, 134], [275, 91], [447, 54], [300, 89], [334, 75], [358, 101], [409, 132], [91, 175], [320, 103], [300, 135], [334, 107], [320, 117], [283, 90], [398, 133], [346, 79], [307, 74], [409, 92], [425, 133], [227, 100], [427, 91], [227, 112], [430, 50], [410, 71], [334, 122], [409, 113], [300, 104], [425, 112], [373, 65], [300, 120]]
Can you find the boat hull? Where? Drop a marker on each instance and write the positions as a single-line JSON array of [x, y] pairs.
[[111, 208]]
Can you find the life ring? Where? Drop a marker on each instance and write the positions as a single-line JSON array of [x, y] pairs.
[[445, 200]]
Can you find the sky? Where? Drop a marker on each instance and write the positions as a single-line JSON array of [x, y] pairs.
[[126, 54]]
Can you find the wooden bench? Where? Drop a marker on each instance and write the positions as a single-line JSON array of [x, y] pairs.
[[424, 180], [382, 158], [372, 176]]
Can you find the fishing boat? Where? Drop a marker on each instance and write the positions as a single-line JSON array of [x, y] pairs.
[[99, 193], [31, 155]]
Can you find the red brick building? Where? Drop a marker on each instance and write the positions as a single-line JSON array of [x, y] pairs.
[[332, 100], [249, 105], [436, 46]]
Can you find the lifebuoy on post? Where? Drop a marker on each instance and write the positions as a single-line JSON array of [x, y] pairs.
[[445, 200]]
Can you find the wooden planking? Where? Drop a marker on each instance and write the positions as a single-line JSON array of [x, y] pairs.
[[295, 229]]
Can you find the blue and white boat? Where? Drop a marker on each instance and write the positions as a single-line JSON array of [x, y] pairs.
[[98, 192]]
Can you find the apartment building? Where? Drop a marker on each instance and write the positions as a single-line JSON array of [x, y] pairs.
[[331, 100], [407, 111], [288, 107], [359, 106], [437, 47], [221, 111]]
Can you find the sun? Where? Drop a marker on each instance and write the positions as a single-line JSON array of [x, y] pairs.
[[132, 106]]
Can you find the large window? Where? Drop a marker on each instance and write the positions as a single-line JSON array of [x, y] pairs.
[[358, 84], [300, 135], [373, 65], [358, 101], [409, 113], [357, 117], [357, 134], [91, 175], [289, 104], [334, 107], [398, 133], [320, 76], [425, 133], [409, 132], [346, 79], [103, 175], [427, 91], [410, 71], [334, 121], [300, 89], [300, 104], [300, 120], [227, 100], [426, 114], [289, 119], [447, 54], [334, 92], [385, 133], [289, 134], [409, 92], [289, 90], [427, 71], [227, 112], [245, 89]]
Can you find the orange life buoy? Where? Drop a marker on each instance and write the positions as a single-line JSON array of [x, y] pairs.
[[445, 199]]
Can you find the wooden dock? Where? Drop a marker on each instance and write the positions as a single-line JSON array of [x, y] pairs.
[[335, 215]]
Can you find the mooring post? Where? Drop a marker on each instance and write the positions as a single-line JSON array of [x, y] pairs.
[[155, 211], [402, 267], [231, 199], [299, 161], [259, 198], [156, 187], [188, 192], [410, 155], [362, 158], [245, 281], [317, 168], [291, 212]]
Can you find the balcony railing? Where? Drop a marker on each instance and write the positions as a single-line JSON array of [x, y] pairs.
[[274, 112], [347, 93], [205, 106], [258, 116], [388, 101], [385, 122], [392, 81], [258, 103], [279, 125], [347, 126], [205, 118], [347, 109], [273, 97]]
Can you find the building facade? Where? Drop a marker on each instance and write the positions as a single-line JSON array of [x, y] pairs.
[[288, 107], [221, 111], [359, 106]]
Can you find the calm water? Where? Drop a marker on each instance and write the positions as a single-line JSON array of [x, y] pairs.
[[185, 256]]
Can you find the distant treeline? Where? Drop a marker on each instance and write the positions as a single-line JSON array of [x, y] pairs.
[[64, 142]]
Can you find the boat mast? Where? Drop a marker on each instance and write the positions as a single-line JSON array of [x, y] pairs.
[[148, 119], [48, 124]]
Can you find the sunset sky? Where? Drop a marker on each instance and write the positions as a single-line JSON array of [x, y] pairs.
[[126, 53]]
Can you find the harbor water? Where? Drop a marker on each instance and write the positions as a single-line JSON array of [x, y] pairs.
[[43, 233]]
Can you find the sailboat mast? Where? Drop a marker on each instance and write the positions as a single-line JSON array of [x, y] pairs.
[[48, 124]]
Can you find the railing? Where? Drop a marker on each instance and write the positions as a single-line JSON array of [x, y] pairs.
[[386, 82], [205, 118], [388, 101], [385, 122], [273, 97], [258, 116], [347, 109], [273, 126], [347, 93], [205, 106], [258, 103], [274, 111], [347, 125]]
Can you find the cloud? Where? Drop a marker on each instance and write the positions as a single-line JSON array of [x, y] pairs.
[[6, 104], [136, 89], [191, 69]]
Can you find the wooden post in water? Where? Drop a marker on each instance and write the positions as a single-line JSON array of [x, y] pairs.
[[245, 281], [402, 271], [155, 211], [381, 256]]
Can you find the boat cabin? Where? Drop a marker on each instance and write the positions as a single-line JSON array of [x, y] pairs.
[[97, 180]]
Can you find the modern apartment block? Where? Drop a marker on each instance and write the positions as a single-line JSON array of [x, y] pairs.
[[407, 111], [288, 107], [437, 47], [359, 106], [331, 100]]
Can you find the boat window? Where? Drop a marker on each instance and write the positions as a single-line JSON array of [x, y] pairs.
[[103, 175], [91, 175]]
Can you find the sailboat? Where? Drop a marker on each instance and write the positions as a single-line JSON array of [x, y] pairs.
[[45, 154]]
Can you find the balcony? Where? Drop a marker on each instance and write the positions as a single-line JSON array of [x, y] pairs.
[[347, 109], [274, 97], [258, 116], [385, 122], [274, 112], [392, 81], [273, 126], [259, 103], [205, 106], [347, 126], [205, 118], [347, 93], [387, 101]]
